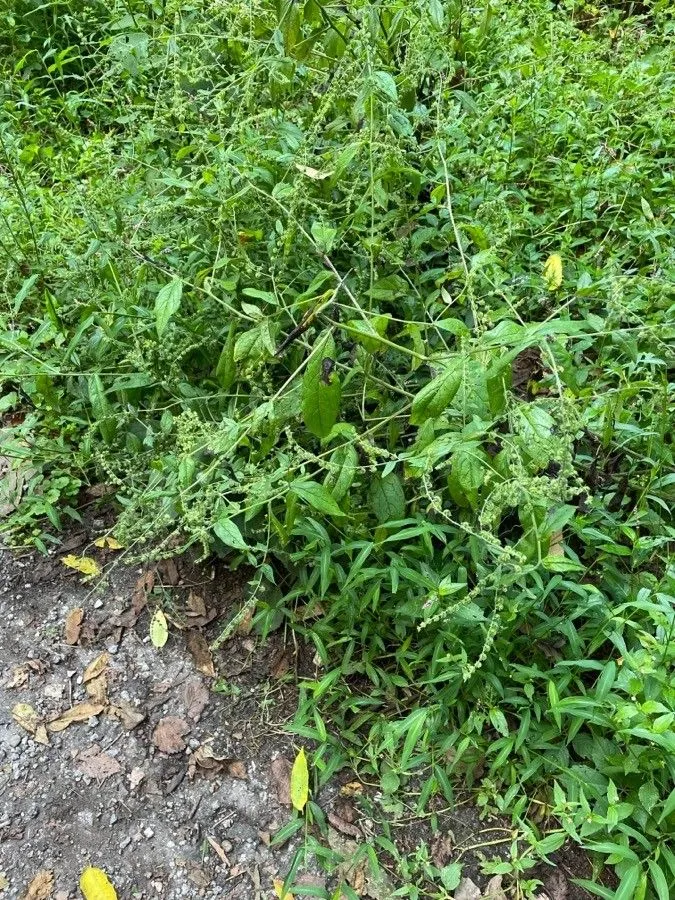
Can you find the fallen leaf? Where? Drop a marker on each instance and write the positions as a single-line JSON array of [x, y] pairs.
[[312, 173], [41, 735], [195, 605], [97, 689], [4, 883], [169, 733], [41, 886], [199, 649], [279, 890], [159, 630], [553, 272], [95, 764], [205, 762], [108, 543], [352, 789], [494, 890], [246, 622], [135, 777], [95, 885], [129, 715], [85, 565], [95, 668], [19, 677], [300, 781], [143, 587], [281, 663], [467, 890], [280, 770], [342, 825], [81, 712], [73, 625], [168, 572], [556, 886], [222, 856], [195, 697], [25, 716]]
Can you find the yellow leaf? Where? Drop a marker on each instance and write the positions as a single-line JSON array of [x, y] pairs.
[[83, 564], [299, 781], [95, 885], [279, 887], [95, 668], [108, 542], [159, 630], [25, 716], [315, 175], [78, 713], [553, 272]]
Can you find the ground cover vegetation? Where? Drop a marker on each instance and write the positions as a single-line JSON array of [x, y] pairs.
[[376, 299]]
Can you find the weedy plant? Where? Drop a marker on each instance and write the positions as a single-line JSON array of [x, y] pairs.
[[377, 299]]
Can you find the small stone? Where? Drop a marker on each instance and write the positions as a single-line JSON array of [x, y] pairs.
[[98, 603], [148, 832]]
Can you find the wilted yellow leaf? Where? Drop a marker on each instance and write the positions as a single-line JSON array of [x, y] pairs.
[[159, 630], [300, 781], [95, 668], [108, 543], [78, 713], [95, 885], [553, 272], [25, 716], [83, 564], [279, 890]]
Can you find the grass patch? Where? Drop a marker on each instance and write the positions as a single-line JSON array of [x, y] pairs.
[[377, 299]]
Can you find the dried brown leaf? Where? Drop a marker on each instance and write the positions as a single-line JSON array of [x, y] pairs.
[[41, 886], [219, 850], [143, 587], [195, 697], [246, 624], [169, 733], [205, 762], [95, 668], [95, 764], [135, 777], [25, 716], [280, 771], [198, 647], [168, 572], [352, 789], [344, 826], [19, 677], [97, 689], [128, 714], [195, 605], [81, 712], [73, 625]]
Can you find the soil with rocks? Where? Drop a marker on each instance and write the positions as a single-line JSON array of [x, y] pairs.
[[169, 767]]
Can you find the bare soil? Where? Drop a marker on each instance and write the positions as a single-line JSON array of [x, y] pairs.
[[141, 793]]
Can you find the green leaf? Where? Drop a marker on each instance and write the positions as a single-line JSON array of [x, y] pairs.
[[658, 880], [649, 795], [668, 806], [387, 498], [300, 781], [451, 875], [468, 467], [344, 466], [626, 889], [229, 534], [225, 369], [159, 630], [321, 389], [317, 496], [435, 396], [324, 235], [499, 723], [167, 303]]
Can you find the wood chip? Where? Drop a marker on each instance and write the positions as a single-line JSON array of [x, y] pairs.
[[222, 856]]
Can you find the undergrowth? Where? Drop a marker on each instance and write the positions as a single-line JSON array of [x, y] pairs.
[[377, 299]]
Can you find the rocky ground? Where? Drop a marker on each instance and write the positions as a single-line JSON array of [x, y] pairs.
[[169, 767]]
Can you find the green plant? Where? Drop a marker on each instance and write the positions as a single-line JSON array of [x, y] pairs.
[[276, 273]]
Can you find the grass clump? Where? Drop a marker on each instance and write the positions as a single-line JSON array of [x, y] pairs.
[[376, 298]]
